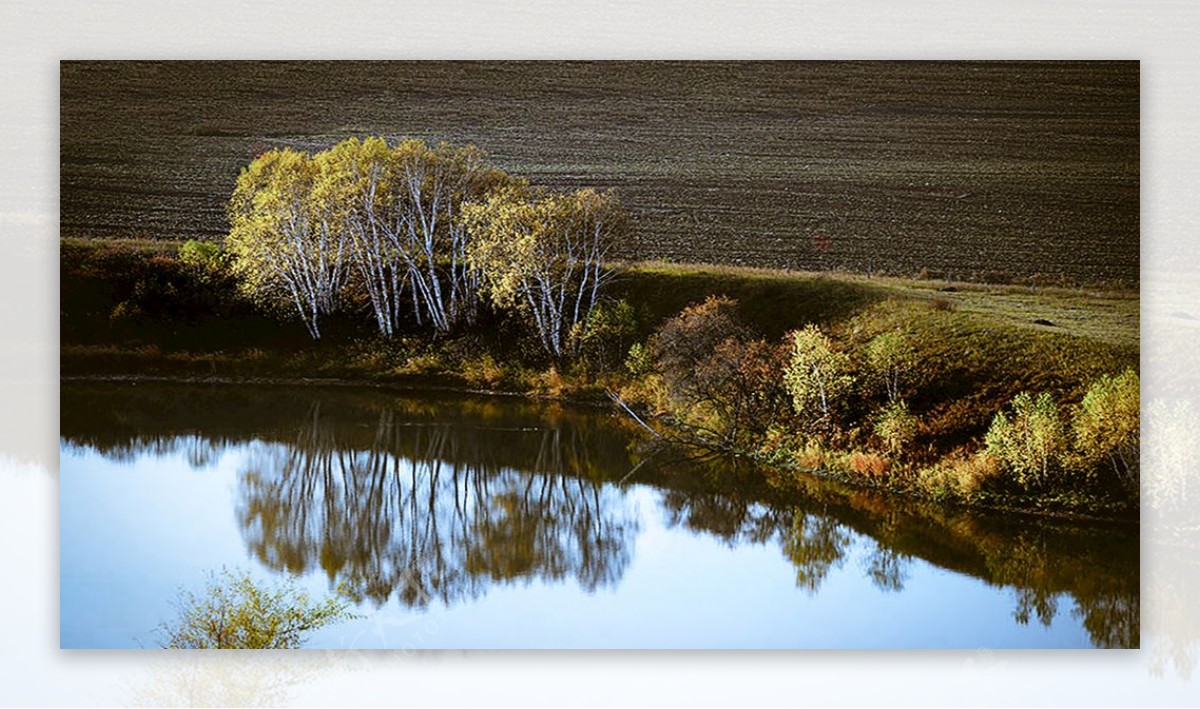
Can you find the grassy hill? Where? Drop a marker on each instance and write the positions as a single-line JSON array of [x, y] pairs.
[[128, 309]]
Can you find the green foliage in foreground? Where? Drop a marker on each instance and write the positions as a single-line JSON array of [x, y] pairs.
[[234, 612]]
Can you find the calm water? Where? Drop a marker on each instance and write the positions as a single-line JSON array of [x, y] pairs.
[[495, 523]]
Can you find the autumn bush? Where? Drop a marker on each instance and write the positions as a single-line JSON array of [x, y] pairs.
[[742, 382], [867, 464], [691, 336], [810, 456], [718, 380], [963, 475]]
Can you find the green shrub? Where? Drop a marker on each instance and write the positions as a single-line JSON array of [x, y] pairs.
[[201, 256], [639, 362], [1032, 443], [896, 426], [605, 335], [1107, 426], [818, 378], [236, 613]]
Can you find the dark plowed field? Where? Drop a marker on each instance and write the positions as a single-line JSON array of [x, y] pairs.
[[968, 170]]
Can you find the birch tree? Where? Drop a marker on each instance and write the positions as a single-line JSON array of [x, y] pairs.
[[287, 248], [544, 254], [1032, 442], [818, 378], [1107, 426], [402, 207], [354, 183], [430, 186], [892, 360]]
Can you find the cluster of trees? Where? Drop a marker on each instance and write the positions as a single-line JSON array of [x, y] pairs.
[[1039, 441], [410, 230], [732, 391], [720, 381], [431, 237]]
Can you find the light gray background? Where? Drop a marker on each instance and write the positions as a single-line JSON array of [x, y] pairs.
[[34, 37]]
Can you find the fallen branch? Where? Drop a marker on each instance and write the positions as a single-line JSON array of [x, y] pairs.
[[617, 400]]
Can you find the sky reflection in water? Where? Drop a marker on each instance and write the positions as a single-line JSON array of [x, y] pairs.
[[466, 523]]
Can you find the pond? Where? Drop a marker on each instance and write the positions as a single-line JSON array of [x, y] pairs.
[[491, 522]]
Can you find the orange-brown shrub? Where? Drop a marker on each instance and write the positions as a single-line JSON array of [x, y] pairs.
[[870, 465]]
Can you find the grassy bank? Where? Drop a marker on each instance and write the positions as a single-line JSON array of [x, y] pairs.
[[133, 309]]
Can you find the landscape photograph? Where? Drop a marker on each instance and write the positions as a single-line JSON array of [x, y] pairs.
[[426, 355]]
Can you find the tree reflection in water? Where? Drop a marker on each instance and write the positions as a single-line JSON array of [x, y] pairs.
[[815, 546], [820, 525], [435, 499], [430, 511]]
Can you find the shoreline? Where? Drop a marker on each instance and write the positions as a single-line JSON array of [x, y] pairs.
[[774, 474]]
